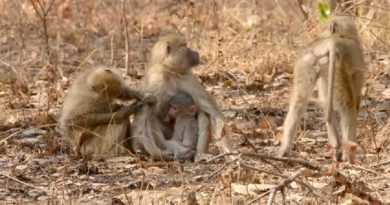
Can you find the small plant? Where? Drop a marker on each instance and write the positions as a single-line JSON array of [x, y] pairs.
[[324, 10]]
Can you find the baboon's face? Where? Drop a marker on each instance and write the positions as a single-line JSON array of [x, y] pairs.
[[172, 52], [180, 57]]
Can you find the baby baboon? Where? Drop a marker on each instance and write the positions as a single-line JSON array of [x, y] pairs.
[[95, 125], [169, 72], [182, 112], [336, 64]]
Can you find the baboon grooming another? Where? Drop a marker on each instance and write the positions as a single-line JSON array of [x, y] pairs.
[[336, 64], [170, 71], [95, 125]]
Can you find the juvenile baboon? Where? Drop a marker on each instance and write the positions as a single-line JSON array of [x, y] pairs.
[[170, 70], [182, 113], [95, 125], [336, 64]]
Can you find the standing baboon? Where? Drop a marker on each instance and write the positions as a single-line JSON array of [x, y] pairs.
[[336, 64]]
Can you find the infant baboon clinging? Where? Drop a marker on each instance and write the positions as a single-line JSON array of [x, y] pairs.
[[336, 64], [170, 71], [95, 125], [182, 113]]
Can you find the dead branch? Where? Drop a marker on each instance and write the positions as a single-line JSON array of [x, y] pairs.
[[127, 43], [284, 183], [283, 159], [259, 197], [251, 145], [220, 156], [22, 182], [243, 165], [207, 176], [42, 13], [381, 163], [340, 178], [369, 170]]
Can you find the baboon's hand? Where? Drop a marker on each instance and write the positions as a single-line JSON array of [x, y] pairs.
[[127, 110], [149, 99]]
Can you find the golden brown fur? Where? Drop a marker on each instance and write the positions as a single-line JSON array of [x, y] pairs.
[[95, 125], [170, 71], [336, 64]]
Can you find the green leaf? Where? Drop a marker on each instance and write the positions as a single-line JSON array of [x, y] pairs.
[[324, 10]]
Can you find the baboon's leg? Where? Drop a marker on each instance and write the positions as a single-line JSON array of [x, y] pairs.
[[304, 81], [203, 133], [113, 141], [218, 128], [348, 123], [103, 141], [296, 109]]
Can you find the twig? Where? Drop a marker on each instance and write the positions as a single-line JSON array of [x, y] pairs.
[[284, 183], [207, 176], [20, 131], [249, 142], [112, 47], [381, 40], [271, 196], [369, 170], [247, 166], [256, 150], [43, 17], [381, 163], [279, 175], [283, 196], [284, 159], [127, 44], [340, 178], [22, 182], [220, 156], [264, 156], [258, 198], [274, 166]]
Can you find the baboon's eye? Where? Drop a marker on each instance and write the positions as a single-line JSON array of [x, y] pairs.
[[108, 70], [169, 49], [174, 107]]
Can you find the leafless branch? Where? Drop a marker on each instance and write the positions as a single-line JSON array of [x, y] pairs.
[[283, 159], [127, 42]]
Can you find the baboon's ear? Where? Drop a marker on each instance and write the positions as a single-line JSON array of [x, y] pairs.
[[169, 48]]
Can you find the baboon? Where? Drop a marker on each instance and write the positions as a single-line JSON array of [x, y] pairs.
[[336, 64], [170, 70], [94, 123], [182, 114]]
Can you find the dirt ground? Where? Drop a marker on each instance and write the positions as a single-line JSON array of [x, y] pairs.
[[247, 49]]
